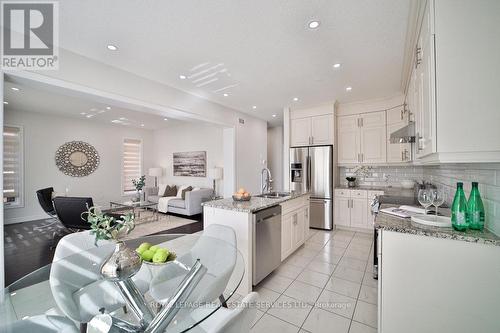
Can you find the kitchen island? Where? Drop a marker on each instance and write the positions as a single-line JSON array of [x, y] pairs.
[[447, 279], [240, 216]]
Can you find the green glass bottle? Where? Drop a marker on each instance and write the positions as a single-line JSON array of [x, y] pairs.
[[459, 209], [475, 209]]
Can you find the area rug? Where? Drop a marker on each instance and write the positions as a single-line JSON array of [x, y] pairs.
[[164, 223]]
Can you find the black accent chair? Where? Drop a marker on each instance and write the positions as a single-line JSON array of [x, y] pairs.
[[69, 211], [45, 200]]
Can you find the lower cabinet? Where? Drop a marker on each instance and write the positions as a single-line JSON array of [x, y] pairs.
[[294, 225], [352, 208]]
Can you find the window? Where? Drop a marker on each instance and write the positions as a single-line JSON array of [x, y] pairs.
[[132, 163], [12, 166]]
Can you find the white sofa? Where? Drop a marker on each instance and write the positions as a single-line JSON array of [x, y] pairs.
[[191, 205]]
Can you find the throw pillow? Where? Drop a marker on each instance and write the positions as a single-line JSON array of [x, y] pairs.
[[170, 191], [187, 189]]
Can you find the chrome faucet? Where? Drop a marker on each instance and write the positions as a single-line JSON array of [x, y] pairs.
[[265, 181]]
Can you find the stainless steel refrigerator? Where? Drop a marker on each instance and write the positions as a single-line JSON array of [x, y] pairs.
[[311, 169]]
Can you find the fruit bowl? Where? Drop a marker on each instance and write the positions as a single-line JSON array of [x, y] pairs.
[[241, 197], [171, 257]]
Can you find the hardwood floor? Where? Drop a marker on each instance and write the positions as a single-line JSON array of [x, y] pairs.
[[29, 245]]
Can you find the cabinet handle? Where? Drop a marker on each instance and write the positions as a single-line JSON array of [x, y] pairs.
[[362, 123], [418, 60], [358, 122], [402, 114], [419, 148]]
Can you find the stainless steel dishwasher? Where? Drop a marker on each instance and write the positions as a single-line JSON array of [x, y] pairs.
[[266, 242]]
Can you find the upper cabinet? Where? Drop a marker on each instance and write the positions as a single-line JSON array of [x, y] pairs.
[[397, 118], [454, 82], [312, 127], [362, 138]]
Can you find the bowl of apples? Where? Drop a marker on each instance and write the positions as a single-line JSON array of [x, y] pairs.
[[154, 254], [242, 195]]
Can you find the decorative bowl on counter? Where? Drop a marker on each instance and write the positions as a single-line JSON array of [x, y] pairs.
[[237, 197]]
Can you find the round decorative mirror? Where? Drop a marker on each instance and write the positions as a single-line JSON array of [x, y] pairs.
[[77, 158]]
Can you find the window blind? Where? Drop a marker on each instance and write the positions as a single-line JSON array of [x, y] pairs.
[[132, 163], [12, 165]]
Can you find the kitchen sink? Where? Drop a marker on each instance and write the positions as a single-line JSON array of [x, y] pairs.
[[273, 195]]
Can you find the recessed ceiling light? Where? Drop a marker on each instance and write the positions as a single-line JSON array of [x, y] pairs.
[[313, 24], [89, 115], [254, 107], [182, 77], [93, 109], [295, 99], [348, 89], [101, 111], [112, 47], [142, 125], [108, 107], [83, 113], [5, 102], [123, 118], [225, 94], [274, 116], [15, 89], [166, 119], [336, 65]]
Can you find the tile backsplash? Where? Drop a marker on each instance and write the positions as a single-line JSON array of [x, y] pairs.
[[445, 177]]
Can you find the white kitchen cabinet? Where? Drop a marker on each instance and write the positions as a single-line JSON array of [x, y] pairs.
[[342, 211], [294, 226], [362, 138], [322, 130], [397, 118], [352, 208], [312, 131], [450, 285], [359, 217], [300, 132], [348, 139]]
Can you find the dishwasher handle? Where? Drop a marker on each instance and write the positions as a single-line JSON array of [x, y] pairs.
[[267, 217], [267, 213]]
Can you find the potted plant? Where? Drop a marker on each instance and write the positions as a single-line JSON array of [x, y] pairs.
[[124, 262], [139, 185]]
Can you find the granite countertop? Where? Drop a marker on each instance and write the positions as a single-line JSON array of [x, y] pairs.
[[255, 203], [397, 224], [392, 191]]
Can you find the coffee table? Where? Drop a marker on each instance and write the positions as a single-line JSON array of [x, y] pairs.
[[137, 207]]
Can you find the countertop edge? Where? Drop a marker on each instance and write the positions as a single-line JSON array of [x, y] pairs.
[[229, 204]]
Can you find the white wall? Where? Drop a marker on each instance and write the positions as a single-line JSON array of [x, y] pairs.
[[43, 134], [275, 156], [189, 137]]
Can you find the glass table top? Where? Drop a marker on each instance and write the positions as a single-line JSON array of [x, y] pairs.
[[134, 204], [73, 287]]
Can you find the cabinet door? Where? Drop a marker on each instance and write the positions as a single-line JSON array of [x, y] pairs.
[[359, 210], [301, 132], [397, 115], [286, 235], [298, 228], [397, 152], [373, 138], [322, 130], [348, 136], [426, 139], [342, 211], [306, 220]]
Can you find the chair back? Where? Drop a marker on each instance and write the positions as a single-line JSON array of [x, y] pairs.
[[240, 319], [69, 211], [44, 196]]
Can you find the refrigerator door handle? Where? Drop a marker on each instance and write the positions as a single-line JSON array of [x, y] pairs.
[[309, 173]]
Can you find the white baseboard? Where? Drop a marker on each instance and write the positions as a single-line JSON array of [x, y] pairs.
[[21, 219]]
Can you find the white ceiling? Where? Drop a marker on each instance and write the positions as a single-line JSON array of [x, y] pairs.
[[262, 48], [40, 98]]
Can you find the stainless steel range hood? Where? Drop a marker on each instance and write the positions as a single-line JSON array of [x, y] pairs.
[[405, 134]]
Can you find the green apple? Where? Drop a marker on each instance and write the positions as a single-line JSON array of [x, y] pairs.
[[143, 247], [147, 255], [160, 256], [154, 248]]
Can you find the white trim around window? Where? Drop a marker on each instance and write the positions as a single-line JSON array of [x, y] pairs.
[[13, 166]]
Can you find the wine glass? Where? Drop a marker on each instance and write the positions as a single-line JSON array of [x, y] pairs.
[[425, 198], [437, 199]]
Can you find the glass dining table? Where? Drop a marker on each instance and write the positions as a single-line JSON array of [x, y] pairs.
[[176, 296]]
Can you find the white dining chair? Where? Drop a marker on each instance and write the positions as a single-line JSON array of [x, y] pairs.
[[75, 281], [216, 249], [238, 320], [42, 324]]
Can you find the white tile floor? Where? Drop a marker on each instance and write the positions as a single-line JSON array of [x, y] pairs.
[[325, 286]]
